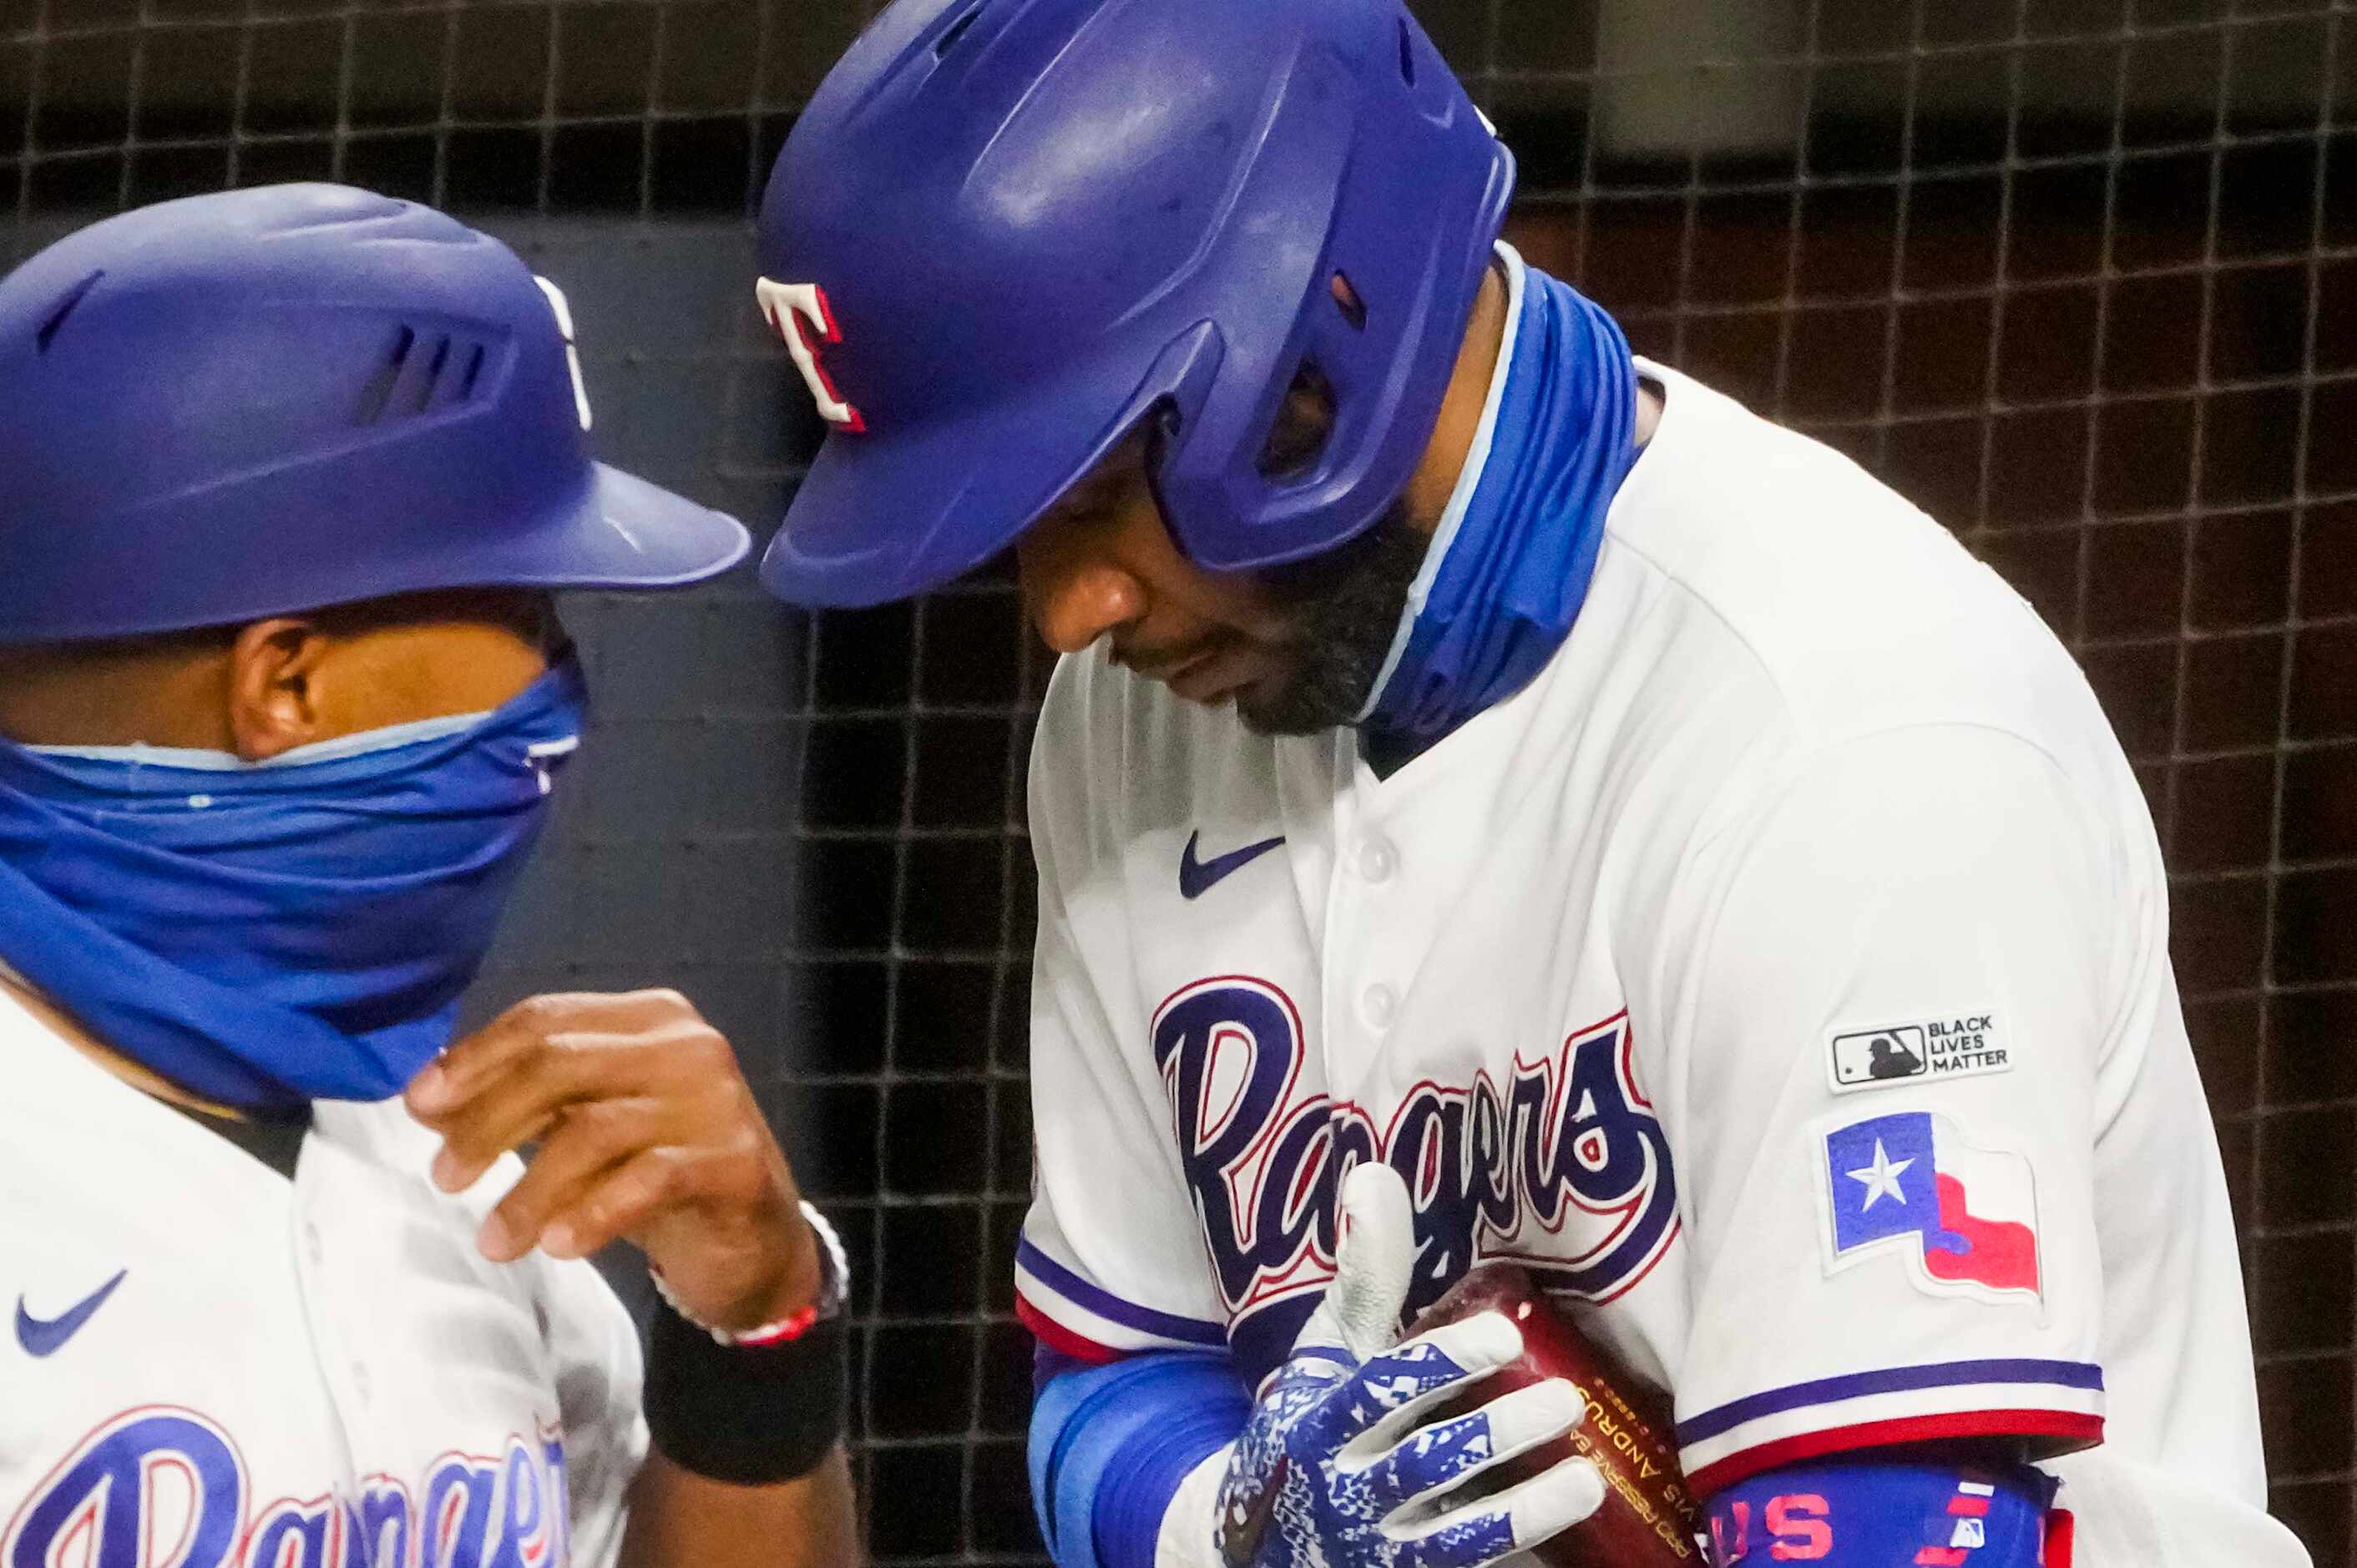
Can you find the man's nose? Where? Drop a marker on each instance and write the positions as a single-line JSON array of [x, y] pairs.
[[1074, 598]]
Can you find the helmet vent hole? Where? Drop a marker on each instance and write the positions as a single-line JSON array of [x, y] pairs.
[[1407, 53], [379, 391], [1347, 300], [1305, 424], [418, 376], [74, 297], [958, 29], [433, 377]]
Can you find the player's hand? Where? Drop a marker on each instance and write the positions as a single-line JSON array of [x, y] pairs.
[[1347, 1458], [647, 1131]]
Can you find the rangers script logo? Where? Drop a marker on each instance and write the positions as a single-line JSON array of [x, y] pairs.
[[1562, 1166], [161, 1487]]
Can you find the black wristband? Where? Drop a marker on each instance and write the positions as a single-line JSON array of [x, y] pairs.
[[751, 1414]]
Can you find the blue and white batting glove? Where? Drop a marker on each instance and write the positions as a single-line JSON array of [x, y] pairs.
[[1344, 1461]]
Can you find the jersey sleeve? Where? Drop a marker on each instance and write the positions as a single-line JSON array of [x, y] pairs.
[[600, 1366], [1111, 1261], [1900, 971]]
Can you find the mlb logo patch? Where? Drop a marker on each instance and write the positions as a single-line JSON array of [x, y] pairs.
[[1964, 1219], [1879, 1056]]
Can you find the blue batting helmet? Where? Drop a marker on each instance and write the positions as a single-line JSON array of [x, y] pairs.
[[1007, 231], [269, 401]]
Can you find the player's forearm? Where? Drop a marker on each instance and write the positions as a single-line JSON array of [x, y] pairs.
[[1110, 1445], [745, 1369], [680, 1520]]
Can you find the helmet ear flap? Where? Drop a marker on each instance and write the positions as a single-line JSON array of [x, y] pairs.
[[1322, 424], [1302, 429], [1347, 301], [1161, 427], [1307, 414]]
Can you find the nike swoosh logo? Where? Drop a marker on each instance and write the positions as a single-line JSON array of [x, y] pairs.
[[1197, 877], [46, 1337]]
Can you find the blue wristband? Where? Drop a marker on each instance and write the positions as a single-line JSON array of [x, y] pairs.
[[1110, 1446], [1859, 1512]]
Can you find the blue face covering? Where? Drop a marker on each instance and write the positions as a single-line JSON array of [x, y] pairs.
[[269, 934], [1511, 560]]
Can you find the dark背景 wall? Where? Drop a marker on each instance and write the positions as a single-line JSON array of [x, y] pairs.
[[2077, 275]]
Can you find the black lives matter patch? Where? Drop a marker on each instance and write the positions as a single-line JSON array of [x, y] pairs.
[[1963, 1046]]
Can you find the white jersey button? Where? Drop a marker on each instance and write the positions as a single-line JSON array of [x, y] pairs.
[[1377, 1004], [312, 1246], [1377, 858], [360, 1384]]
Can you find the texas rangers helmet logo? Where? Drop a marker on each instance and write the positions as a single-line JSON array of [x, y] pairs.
[[799, 313], [1562, 1166], [563, 314]]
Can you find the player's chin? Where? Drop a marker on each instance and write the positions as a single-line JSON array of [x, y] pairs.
[[1221, 676], [1293, 700]]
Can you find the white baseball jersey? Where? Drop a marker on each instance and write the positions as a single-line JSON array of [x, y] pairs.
[[217, 1367], [1782, 976]]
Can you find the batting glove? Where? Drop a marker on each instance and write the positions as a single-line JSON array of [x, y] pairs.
[[1345, 1460]]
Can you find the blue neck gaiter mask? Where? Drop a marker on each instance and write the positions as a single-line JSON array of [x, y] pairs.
[[268, 934], [1511, 560]]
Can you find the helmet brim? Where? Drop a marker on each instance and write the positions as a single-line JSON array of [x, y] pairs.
[[628, 533], [619, 533], [884, 517]]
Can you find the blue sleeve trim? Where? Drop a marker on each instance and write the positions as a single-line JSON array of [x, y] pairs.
[[1893, 1380], [1856, 1511], [1111, 1307], [1110, 1446]]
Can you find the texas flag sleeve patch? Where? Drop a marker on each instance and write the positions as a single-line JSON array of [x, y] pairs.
[[1963, 1219]]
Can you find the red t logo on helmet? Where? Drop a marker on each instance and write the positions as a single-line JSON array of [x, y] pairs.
[[801, 315]]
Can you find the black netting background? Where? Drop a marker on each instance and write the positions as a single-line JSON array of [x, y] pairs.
[[2079, 275]]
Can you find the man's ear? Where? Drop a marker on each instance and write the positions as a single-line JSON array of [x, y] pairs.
[[273, 708]]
